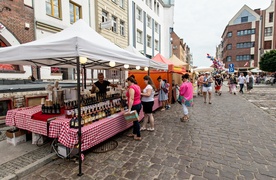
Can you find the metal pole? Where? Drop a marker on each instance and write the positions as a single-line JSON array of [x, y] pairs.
[[79, 113], [84, 76]]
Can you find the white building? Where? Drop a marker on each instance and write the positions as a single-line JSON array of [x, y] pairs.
[[150, 22], [52, 16]]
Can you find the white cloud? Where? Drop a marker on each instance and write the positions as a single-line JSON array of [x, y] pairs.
[[201, 23]]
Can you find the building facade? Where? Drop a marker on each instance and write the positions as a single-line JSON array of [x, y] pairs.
[[248, 35], [16, 31], [52, 16], [112, 20], [150, 22]]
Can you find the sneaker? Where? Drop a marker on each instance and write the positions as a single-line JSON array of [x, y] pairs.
[[234, 93]]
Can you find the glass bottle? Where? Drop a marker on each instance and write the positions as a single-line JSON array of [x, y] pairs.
[[72, 121]]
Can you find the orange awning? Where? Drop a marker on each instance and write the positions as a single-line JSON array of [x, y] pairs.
[[162, 59]]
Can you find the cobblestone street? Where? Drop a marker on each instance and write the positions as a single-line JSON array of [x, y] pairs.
[[229, 139]]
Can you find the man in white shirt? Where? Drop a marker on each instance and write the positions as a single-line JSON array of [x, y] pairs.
[[242, 80]]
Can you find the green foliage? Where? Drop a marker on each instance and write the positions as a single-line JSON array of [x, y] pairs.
[[268, 61]]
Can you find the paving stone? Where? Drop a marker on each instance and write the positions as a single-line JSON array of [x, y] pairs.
[[131, 175]]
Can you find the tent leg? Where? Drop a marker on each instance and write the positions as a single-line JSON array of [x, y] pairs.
[[84, 76], [79, 114]]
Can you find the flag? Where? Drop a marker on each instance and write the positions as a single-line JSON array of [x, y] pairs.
[[245, 64]]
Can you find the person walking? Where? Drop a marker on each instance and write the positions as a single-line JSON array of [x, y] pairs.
[[241, 80], [232, 83], [148, 102], [163, 93], [218, 84], [186, 92], [249, 82], [134, 103], [207, 87]]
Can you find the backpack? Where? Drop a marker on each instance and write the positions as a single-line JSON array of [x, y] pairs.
[[165, 89]]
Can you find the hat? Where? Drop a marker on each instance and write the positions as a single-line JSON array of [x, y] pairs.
[[207, 72]]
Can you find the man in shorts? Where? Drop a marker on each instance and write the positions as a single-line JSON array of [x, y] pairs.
[[207, 87]]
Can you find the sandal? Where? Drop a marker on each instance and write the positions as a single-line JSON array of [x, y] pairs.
[[163, 109], [130, 135], [150, 129], [137, 138]]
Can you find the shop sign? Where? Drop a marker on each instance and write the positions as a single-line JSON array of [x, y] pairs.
[[106, 24]]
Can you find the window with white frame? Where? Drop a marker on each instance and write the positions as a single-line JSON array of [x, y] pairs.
[[148, 41], [154, 6], [149, 21], [139, 13], [139, 36], [156, 27], [121, 3], [114, 24], [156, 45], [158, 9], [122, 28], [268, 31], [104, 16]]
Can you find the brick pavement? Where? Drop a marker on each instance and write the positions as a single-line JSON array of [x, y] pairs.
[[229, 139]]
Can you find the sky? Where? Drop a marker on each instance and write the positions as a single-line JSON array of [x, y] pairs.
[[201, 23]]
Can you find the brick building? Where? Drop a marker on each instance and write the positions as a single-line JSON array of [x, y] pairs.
[[248, 35], [17, 27]]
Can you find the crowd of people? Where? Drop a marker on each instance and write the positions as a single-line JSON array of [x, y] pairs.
[[137, 98]]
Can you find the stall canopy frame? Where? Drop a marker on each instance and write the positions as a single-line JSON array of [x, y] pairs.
[[65, 48]]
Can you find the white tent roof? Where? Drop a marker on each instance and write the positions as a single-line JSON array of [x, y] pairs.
[[153, 64], [61, 50]]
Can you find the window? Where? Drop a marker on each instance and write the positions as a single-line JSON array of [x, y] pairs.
[[244, 19], [154, 5], [156, 45], [104, 16], [229, 34], [149, 21], [115, 1], [121, 3], [53, 8], [245, 45], [268, 31], [244, 57], [267, 44], [114, 24], [148, 41], [229, 58], [271, 17], [245, 32], [229, 46], [112, 74], [122, 28], [156, 27], [139, 14], [75, 12], [139, 36]]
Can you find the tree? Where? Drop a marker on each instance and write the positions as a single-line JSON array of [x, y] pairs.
[[268, 61]]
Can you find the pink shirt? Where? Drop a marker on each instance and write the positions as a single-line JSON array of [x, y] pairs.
[[186, 90], [137, 94]]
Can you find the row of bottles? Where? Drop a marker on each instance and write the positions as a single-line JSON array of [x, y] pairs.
[[86, 101], [94, 113], [48, 107]]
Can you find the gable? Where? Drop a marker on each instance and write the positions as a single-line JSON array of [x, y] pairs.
[[244, 16]]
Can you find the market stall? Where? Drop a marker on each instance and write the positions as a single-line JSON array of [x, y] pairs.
[[75, 46]]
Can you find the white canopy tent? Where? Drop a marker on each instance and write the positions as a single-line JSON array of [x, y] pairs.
[[79, 40], [65, 48], [202, 69]]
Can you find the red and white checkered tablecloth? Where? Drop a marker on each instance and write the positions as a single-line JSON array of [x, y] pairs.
[[10, 117], [96, 132], [56, 125], [22, 119]]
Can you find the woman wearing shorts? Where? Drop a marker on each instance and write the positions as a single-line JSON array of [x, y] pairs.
[[147, 102], [207, 87]]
